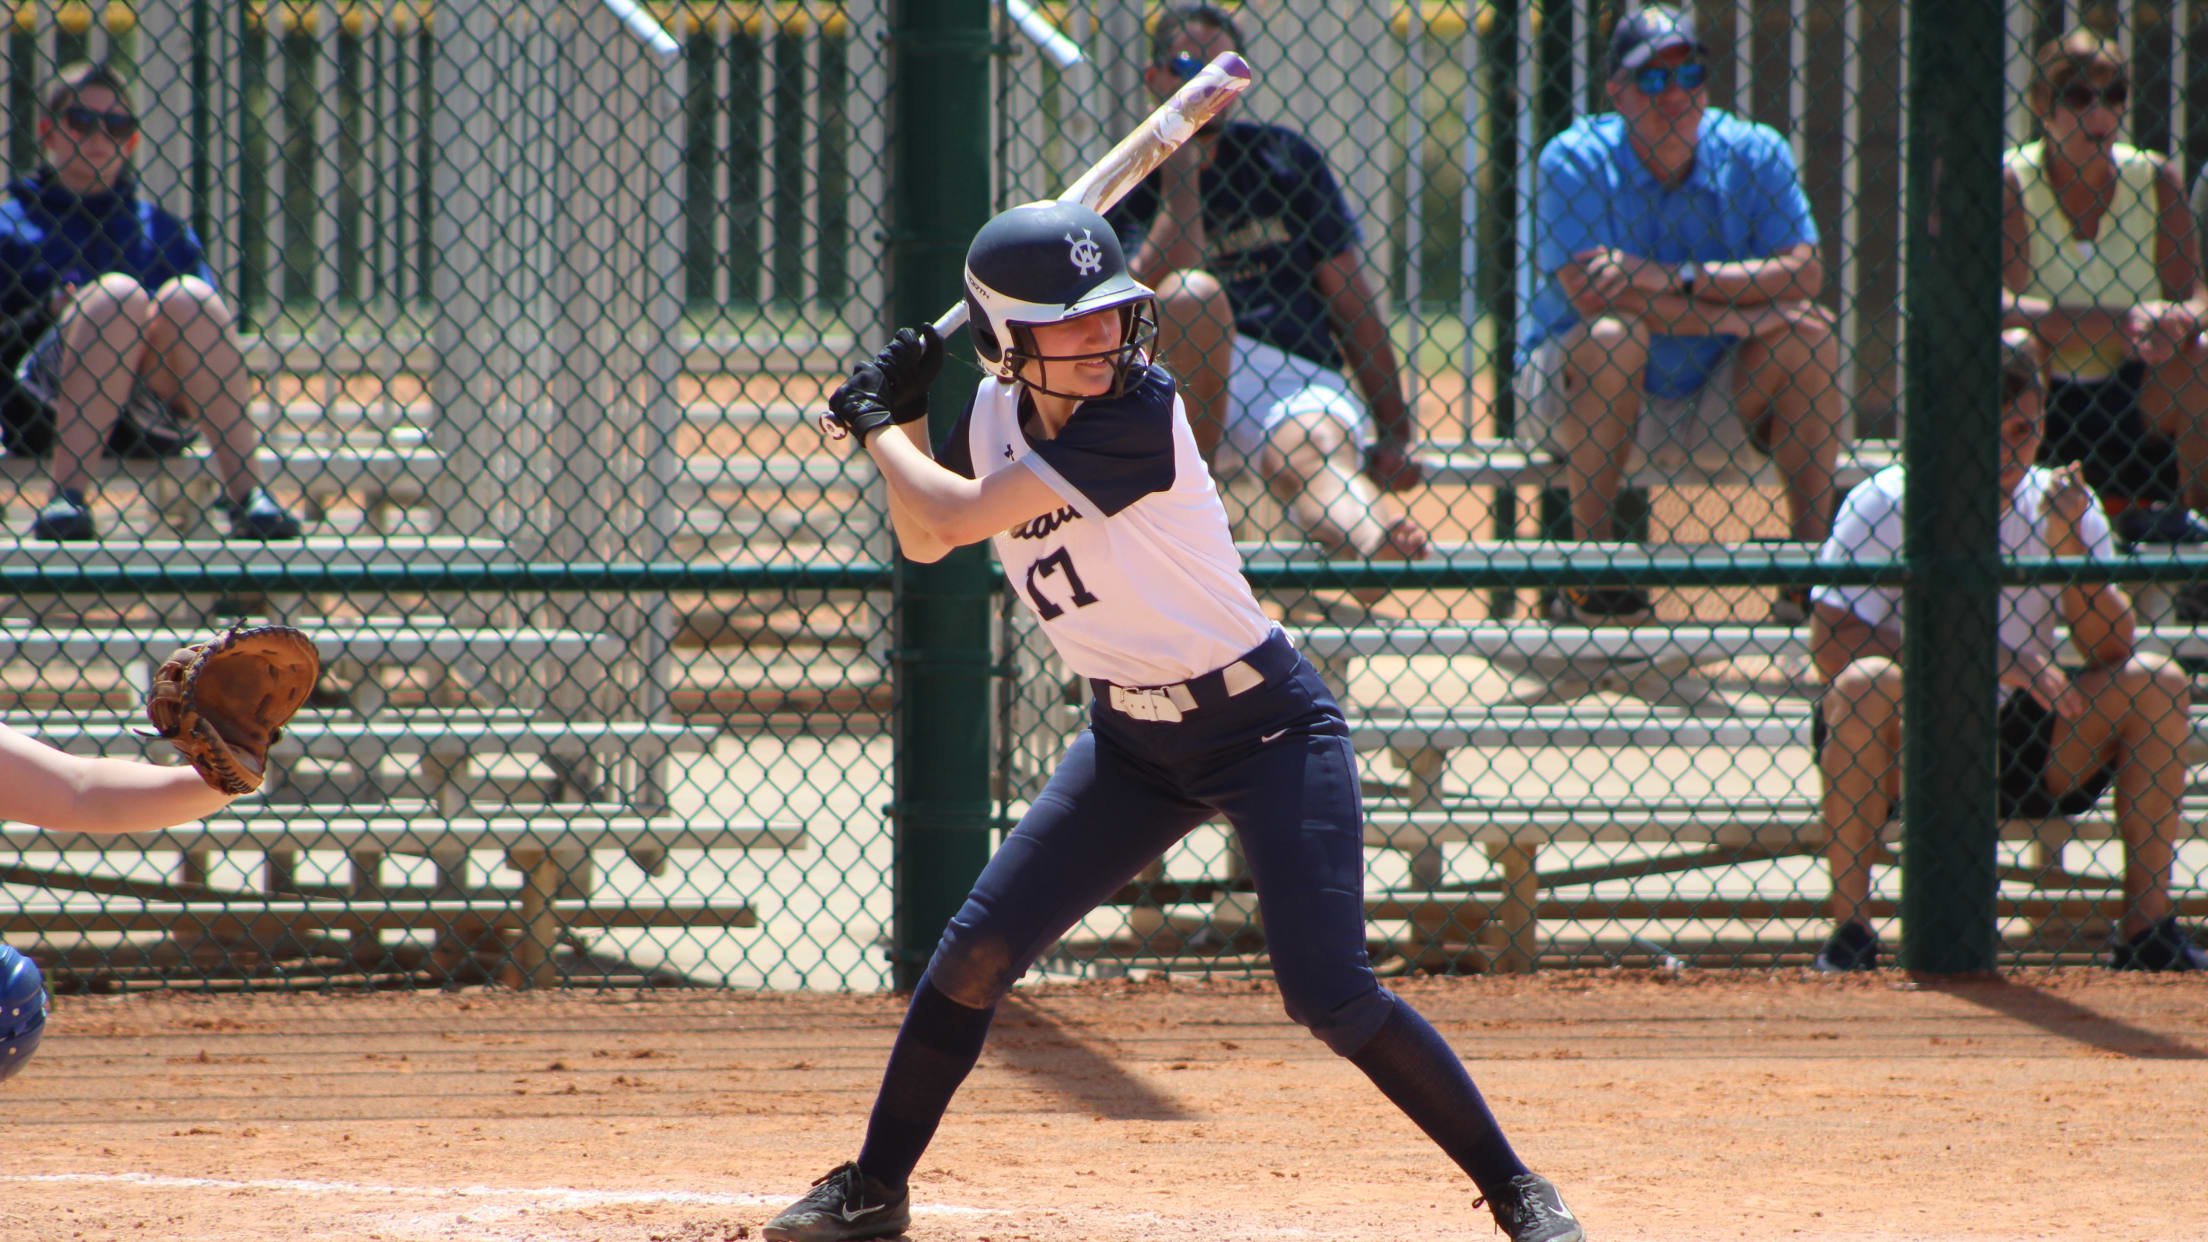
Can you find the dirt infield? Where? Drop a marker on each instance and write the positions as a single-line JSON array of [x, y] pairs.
[[1706, 1107]]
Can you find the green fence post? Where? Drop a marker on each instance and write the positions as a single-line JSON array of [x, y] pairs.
[[1496, 27], [939, 178], [701, 154], [202, 120], [1951, 449]]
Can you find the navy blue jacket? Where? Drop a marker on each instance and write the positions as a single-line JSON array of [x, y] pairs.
[[51, 236]]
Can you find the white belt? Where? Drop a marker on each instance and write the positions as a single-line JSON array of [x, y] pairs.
[[1171, 703]]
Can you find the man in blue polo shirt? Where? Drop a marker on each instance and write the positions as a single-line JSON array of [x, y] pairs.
[[1674, 314], [1268, 316]]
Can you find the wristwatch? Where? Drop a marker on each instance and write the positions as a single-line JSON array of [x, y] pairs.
[[1689, 272]]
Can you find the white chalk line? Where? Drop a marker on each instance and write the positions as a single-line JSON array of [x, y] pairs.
[[489, 1207], [486, 1217]]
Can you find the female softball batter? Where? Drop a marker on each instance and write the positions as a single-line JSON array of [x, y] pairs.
[[1074, 457]]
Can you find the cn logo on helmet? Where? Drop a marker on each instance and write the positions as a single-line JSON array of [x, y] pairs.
[[1087, 256]]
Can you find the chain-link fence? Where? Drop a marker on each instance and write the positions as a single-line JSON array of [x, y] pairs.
[[1642, 372], [521, 314]]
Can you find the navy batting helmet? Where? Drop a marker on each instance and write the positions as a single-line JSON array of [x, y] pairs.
[[1049, 262], [22, 1010]]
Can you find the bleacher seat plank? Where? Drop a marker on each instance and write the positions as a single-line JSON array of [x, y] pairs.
[[821, 470], [315, 551], [1724, 825], [1552, 727], [1578, 555], [1537, 640], [428, 834], [389, 643], [451, 733], [1506, 463], [304, 465], [265, 921]]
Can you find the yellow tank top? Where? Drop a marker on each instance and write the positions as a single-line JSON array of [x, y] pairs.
[[2116, 268]]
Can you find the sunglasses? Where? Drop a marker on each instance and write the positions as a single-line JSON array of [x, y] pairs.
[[1656, 79], [1182, 65], [83, 120], [2078, 96]]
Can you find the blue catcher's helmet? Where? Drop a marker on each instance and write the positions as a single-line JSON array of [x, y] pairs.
[[22, 1010]]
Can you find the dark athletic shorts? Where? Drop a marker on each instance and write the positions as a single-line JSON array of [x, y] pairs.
[[2025, 732]]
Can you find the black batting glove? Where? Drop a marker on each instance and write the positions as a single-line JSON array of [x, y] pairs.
[[909, 365], [859, 404]]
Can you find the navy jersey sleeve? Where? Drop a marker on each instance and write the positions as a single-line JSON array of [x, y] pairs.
[[1130, 217], [1315, 199], [956, 452], [1119, 450]]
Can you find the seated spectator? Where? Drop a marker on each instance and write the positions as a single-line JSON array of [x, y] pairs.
[[109, 313], [2099, 258], [1678, 260], [1262, 303], [2065, 737]]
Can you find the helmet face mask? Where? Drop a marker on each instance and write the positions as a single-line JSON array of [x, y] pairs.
[[1046, 263], [1138, 331]]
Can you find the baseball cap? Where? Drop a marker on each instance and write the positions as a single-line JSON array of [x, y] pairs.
[[1647, 31]]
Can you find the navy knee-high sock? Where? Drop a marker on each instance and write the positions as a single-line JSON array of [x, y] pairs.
[[936, 1048], [1417, 1069]]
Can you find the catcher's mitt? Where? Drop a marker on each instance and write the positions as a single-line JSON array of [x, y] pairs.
[[223, 703]]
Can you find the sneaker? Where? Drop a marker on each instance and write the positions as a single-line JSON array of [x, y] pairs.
[[260, 517], [1852, 947], [1530, 1210], [1791, 607], [1592, 606], [844, 1204], [65, 519], [2163, 946]]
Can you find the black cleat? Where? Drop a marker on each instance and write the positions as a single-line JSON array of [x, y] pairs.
[[1852, 947], [844, 1204], [1530, 1210]]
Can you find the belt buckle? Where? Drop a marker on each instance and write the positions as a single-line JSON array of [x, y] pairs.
[[1145, 704]]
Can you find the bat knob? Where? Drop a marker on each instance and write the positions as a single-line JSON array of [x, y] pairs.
[[1232, 64]]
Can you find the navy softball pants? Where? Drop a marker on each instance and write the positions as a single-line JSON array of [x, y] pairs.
[[1274, 760]]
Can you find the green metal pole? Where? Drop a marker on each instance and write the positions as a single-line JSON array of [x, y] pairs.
[[1951, 450], [201, 121], [939, 179], [1498, 268]]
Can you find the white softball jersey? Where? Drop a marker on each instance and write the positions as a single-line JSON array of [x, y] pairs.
[[1135, 577]]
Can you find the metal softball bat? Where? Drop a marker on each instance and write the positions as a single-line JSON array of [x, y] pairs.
[[1134, 157]]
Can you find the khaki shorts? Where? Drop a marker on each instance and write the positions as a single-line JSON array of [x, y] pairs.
[[1703, 430]]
